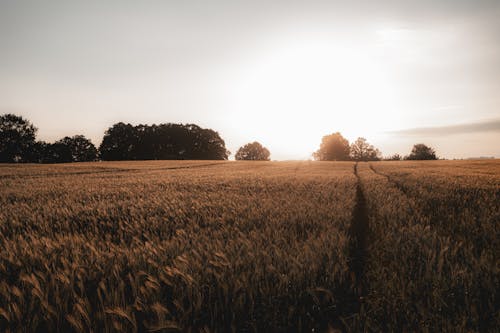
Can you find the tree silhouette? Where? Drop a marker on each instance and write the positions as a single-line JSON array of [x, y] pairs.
[[207, 144], [121, 142], [17, 137], [422, 152], [43, 152], [253, 152], [361, 150], [164, 141], [68, 149], [334, 147], [118, 142], [75, 149]]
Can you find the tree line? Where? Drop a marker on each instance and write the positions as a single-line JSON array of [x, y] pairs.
[[121, 142], [335, 147], [163, 142]]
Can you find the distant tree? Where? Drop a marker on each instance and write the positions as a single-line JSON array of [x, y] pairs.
[[395, 157], [75, 149], [17, 138], [59, 152], [164, 141], [36, 152], [43, 152], [118, 142], [361, 150], [207, 145], [422, 152], [334, 147], [253, 152]]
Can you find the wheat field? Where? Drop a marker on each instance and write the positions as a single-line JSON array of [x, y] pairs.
[[208, 246]]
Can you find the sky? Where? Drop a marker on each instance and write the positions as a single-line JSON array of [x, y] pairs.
[[284, 73]]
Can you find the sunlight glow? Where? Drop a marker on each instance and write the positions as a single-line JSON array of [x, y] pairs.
[[292, 95]]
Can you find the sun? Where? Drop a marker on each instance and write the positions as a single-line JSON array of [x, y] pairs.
[[291, 95]]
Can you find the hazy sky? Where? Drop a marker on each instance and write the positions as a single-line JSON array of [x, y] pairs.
[[284, 73]]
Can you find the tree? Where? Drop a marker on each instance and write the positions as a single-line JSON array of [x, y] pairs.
[[44, 152], [59, 152], [422, 152], [361, 150], [162, 142], [208, 145], [334, 147], [74, 149], [395, 157], [118, 142], [253, 152], [17, 137]]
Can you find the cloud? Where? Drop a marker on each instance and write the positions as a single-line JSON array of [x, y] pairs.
[[492, 125]]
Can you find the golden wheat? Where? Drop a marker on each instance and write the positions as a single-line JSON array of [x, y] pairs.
[[162, 245], [248, 246]]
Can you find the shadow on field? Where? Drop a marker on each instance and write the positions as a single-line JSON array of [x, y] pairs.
[[352, 294], [358, 248]]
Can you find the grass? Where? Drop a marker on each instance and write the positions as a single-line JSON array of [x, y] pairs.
[[249, 246]]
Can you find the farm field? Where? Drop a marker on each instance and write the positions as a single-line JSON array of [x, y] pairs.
[[250, 246]]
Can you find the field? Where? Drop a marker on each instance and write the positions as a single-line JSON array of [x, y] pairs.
[[250, 246]]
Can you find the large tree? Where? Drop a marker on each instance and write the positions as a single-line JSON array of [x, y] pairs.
[[207, 144], [422, 152], [162, 142], [253, 152], [69, 149], [361, 150], [334, 147], [43, 152], [75, 149], [17, 138], [118, 142]]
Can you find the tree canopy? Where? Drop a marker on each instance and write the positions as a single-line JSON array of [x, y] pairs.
[[68, 149], [422, 152], [334, 147], [17, 137], [75, 149], [253, 152], [162, 142], [361, 150]]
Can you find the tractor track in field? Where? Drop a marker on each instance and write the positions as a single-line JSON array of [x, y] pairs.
[[358, 232], [399, 186], [391, 180], [103, 170]]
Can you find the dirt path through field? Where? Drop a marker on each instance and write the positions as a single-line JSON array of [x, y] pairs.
[[358, 231]]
